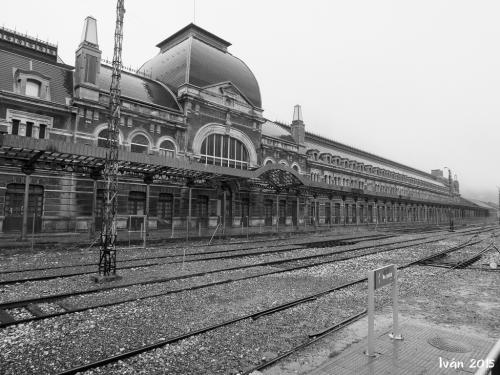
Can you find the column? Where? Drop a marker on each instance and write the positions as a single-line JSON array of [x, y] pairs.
[[277, 212], [94, 206], [342, 211], [332, 210], [22, 128], [35, 131], [223, 208], [298, 210], [24, 229], [188, 221], [356, 210]]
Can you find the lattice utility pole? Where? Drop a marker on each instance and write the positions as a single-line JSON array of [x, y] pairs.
[[107, 258]]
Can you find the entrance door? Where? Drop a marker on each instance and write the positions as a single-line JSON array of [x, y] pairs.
[[328, 213], [268, 212], [203, 210], [14, 208], [136, 206], [337, 213], [226, 208], [282, 212], [245, 211], [293, 211], [165, 210]]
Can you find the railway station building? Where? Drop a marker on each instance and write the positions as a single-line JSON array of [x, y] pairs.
[[196, 150]]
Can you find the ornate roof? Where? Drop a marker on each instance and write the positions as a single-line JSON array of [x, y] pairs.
[[195, 56]]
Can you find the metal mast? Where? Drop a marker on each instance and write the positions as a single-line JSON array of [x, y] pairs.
[[107, 258]]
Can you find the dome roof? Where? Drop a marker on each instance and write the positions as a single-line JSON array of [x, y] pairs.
[[195, 56]]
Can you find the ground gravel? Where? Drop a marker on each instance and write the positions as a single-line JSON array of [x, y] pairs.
[[134, 275], [56, 343]]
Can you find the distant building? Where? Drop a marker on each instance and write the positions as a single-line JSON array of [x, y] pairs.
[[195, 146], [492, 208]]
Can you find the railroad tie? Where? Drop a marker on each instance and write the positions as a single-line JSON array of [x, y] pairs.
[[6, 317], [34, 309]]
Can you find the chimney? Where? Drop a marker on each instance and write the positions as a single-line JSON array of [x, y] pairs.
[[298, 127], [437, 173], [88, 62]]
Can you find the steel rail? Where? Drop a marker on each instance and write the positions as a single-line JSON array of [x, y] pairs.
[[63, 296], [253, 316], [291, 248], [341, 239], [319, 335]]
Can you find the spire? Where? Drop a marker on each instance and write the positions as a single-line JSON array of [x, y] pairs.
[[297, 113], [88, 62], [298, 127], [89, 32]]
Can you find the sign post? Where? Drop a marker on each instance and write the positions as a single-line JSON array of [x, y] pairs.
[[377, 279]]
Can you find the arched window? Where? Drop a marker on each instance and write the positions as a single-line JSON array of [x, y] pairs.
[[102, 138], [296, 167], [167, 148], [139, 144], [223, 150], [269, 162], [33, 88]]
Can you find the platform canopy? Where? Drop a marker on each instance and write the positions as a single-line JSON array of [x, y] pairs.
[[31, 155]]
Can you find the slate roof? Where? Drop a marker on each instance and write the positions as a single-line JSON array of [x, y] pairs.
[[367, 161], [194, 61], [61, 77], [282, 131], [140, 88], [272, 129]]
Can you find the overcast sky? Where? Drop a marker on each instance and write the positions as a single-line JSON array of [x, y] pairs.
[[417, 82]]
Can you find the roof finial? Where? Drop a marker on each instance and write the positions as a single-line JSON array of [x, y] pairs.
[[194, 11], [297, 113], [89, 33]]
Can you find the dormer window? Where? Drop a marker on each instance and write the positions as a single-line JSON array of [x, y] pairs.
[[31, 83], [33, 88]]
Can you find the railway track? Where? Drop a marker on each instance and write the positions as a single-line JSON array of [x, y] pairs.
[[299, 244], [256, 315], [56, 305], [332, 242], [462, 263]]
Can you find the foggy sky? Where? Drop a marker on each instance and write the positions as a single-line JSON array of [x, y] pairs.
[[416, 82]]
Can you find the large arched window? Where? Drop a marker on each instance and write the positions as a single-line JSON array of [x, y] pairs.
[[102, 138], [139, 144], [223, 150], [167, 148]]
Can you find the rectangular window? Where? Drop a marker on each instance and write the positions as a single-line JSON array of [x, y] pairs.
[[15, 127], [88, 114], [91, 69], [43, 129], [129, 122], [29, 129]]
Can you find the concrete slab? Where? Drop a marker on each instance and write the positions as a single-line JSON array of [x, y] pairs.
[[413, 355]]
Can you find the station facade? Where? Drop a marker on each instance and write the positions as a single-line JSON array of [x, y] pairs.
[[196, 150]]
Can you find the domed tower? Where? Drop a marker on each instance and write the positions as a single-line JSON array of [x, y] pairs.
[[219, 93]]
